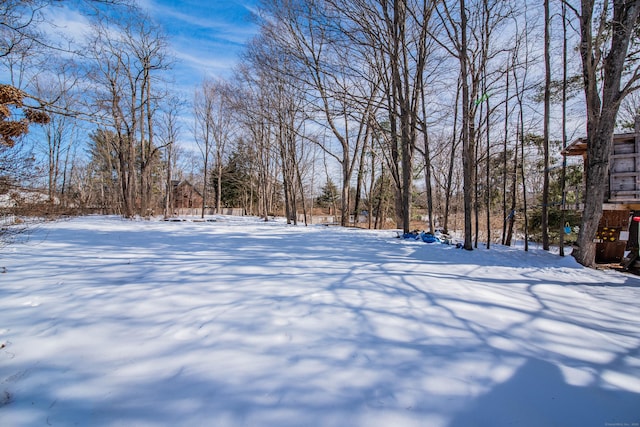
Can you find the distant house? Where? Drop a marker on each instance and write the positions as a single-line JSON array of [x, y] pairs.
[[622, 195], [21, 197], [185, 198]]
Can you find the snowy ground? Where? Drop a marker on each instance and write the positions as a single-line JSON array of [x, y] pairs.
[[106, 322]]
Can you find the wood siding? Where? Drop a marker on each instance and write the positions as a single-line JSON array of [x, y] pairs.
[[624, 170]]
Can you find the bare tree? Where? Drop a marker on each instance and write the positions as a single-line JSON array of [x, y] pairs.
[[21, 35], [213, 131], [564, 127], [101, 187], [468, 28], [544, 223], [520, 70], [253, 102], [305, 33], [127, 58], [609, 75], [223, 131], [147, 45], [629, 110], [115, 96], [203, 129], [61, 133], [168, 135], [20, 20]]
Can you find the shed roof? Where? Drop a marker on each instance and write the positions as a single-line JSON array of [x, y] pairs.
[[184, 183], [579, 146]]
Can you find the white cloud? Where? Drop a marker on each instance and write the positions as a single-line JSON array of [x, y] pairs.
[[64, 24], [206, 16]]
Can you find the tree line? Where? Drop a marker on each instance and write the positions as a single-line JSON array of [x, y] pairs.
[[457, 110]]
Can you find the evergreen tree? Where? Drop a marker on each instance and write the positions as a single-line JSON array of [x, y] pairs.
[[236, 182], [329, 196]]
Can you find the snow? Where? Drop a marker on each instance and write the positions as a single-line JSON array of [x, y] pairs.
[[109, 322], [20, 196]]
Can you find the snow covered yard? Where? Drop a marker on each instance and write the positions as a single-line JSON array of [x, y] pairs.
[[107, 322]]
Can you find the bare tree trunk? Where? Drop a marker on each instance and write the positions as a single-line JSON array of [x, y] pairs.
[[302, 192], [564, 130], [452, 158], [602, 112], [361, 173], [520, 87], [203, 132], [544, 222], [427, 178], [488, 167], [467, 143], [219, 170], [143, 152], [168, 200], [505, 214], [524, 182], [168, 137], [511, 218], [372, 181], [476, 194]]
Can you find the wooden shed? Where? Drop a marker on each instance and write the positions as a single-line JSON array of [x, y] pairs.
[[185, 198], [622, 195]]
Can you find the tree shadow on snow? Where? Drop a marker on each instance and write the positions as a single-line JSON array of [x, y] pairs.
[[539, 395], [316, 327]]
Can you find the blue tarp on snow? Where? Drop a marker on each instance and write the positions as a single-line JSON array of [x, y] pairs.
[[424, 236], [429, 238]]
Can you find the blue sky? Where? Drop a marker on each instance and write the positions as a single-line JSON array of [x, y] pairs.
[[206, 37]]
